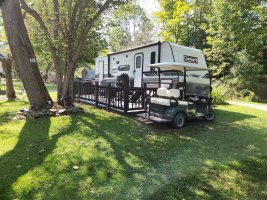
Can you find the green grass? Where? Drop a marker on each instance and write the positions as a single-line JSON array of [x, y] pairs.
[[20, 92], [256, 103], [19, 87], [120, 158]]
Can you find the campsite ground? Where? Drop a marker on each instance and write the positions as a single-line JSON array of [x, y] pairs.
[[118, 157], [20, 92]]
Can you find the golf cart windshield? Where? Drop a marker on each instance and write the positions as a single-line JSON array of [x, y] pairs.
[[196, 84]]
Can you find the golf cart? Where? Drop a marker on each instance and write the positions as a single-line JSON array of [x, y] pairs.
[[181, 100]]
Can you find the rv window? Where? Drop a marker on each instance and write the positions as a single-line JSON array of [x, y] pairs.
[[124, 68], [138, 61], [153, 58]]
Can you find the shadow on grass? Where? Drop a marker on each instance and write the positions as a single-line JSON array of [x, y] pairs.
[[230, 116], [220, 182], [187, 155], [8, 108], [33, 145], [159, 157], [5, 117], [103, 131], [224, 116]]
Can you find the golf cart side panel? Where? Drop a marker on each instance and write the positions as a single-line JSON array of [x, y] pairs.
[[167, 112]]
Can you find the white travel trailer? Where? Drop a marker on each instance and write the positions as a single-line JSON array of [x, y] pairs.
[[135, 63]]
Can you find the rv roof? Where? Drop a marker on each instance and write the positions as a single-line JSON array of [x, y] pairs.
[[177, 66], [136, 48]]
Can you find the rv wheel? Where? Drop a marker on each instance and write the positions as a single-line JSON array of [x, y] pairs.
[[179, 120], [210, 116]]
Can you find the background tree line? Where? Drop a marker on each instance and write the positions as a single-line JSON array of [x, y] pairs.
[[61, 30], [231, 33], [68, 34]]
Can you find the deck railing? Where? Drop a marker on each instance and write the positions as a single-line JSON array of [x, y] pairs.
[[127, 99]]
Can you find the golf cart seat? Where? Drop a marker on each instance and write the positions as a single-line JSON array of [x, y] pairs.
[[166, 97]]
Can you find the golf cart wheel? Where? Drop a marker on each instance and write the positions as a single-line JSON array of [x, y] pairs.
[[179, 120], [210, 116]]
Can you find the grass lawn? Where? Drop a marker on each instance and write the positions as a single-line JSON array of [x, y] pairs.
[[256, 103], [120, 158], [18, 87]]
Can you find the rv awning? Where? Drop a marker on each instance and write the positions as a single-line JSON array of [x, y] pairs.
[[177, 66]]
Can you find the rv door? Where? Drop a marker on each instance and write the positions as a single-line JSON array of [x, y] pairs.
[[138, 69], [101, 70]]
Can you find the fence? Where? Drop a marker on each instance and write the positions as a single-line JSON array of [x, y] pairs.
[[113, 97]]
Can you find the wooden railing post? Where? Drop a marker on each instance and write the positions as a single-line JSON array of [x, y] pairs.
[[109, 96], [126, 99], [73, 90], [79, 85], [144, 98], [96, 94]]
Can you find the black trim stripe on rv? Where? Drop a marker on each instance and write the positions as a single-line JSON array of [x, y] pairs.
[[159, 51], [171, 51], [109, 74]]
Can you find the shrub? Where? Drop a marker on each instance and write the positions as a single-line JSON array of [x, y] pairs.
[[219, 95], [247, 95]]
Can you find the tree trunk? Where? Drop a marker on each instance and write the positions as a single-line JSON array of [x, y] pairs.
[[57, 66], [7, 67], [64, 90], [23, 54], [45, 77], [66, 94]]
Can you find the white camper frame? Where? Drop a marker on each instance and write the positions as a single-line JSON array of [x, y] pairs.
[[127, 61]]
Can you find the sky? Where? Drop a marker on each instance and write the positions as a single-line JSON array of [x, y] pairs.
[[149, 5]]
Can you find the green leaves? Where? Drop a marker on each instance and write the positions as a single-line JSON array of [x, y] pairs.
[[129, 26], [233, 34]]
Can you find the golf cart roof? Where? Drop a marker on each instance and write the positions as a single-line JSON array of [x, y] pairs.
[[177, 66]]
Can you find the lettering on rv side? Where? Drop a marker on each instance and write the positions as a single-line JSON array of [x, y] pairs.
[[190, 59]]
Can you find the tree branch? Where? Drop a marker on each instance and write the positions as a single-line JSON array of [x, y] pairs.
[[87, 28], [38, 18], [56, 19]]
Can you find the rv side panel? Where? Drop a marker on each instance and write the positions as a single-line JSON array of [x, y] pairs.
[[125, 62]]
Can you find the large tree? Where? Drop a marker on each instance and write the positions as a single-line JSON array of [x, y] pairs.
[[65, 28], [238, 52], [183, 21], [235, 26], [7, 67], [23, 54], [231, 33], [129, 26]]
